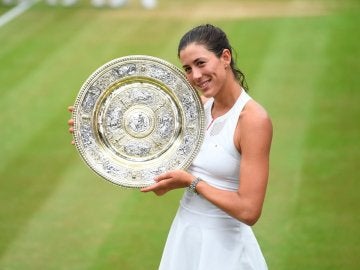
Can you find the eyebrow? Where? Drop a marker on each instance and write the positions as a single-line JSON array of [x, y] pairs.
[[196, 60]]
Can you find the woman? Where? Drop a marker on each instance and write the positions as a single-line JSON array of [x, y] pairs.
[[227, 180]]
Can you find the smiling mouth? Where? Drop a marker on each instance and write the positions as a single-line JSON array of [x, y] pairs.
[[203, 85]]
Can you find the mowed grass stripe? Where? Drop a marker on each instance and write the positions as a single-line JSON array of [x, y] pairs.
[[328, 208], [30, 178], [292, 108], [69, 226]]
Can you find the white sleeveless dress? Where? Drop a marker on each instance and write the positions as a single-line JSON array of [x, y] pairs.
[[202, 236]]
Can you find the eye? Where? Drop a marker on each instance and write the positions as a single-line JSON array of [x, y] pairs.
[[187, 70], [200, 63]]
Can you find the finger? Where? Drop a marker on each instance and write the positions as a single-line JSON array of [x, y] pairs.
[[71, 122], [71, 108], [148, 189], [153, 187], [162, 176], [73, 142]]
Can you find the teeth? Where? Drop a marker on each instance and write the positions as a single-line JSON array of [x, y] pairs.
[[204, 84]]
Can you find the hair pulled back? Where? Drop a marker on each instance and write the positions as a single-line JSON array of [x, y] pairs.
[[215, 40]]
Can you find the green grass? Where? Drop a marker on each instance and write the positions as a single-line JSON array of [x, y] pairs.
[[56, 214]]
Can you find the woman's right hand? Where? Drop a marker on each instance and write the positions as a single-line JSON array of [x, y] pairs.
[[71, 123]]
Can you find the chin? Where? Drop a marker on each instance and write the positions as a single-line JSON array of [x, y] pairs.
[[207, 94]]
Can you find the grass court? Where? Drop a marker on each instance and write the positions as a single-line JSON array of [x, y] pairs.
[[301, 59]]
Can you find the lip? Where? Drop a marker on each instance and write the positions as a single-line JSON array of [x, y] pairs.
[[203, 85]]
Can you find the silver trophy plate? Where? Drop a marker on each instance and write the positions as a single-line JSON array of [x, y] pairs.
[[136, 117]]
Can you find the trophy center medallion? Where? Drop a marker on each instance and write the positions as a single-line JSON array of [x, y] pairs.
[[139, 121]]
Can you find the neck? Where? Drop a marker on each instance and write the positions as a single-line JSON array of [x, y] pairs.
[[225, 100]]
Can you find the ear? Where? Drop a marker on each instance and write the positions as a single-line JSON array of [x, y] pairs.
[[226, 56]]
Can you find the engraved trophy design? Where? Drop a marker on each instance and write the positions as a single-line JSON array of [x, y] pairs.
[[136, 117]]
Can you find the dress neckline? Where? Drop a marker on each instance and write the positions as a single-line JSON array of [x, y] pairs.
[[213, 120]]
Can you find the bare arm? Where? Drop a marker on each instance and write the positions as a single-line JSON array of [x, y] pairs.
[[253, 140]]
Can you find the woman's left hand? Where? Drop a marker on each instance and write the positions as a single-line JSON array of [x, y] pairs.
[[168, 181]]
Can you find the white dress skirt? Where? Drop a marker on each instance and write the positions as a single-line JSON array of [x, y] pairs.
[[202, 236]]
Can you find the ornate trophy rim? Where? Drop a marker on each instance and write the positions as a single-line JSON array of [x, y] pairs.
[[136, 117]]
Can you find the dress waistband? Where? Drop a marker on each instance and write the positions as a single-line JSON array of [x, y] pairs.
[[209, 221]]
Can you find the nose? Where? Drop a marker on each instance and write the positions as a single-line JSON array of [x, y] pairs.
[[196, 74]]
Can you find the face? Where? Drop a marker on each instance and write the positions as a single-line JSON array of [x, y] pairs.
[[204, 70]]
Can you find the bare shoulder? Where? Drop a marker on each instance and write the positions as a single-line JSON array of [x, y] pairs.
[[254, 113], [255, 125]]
